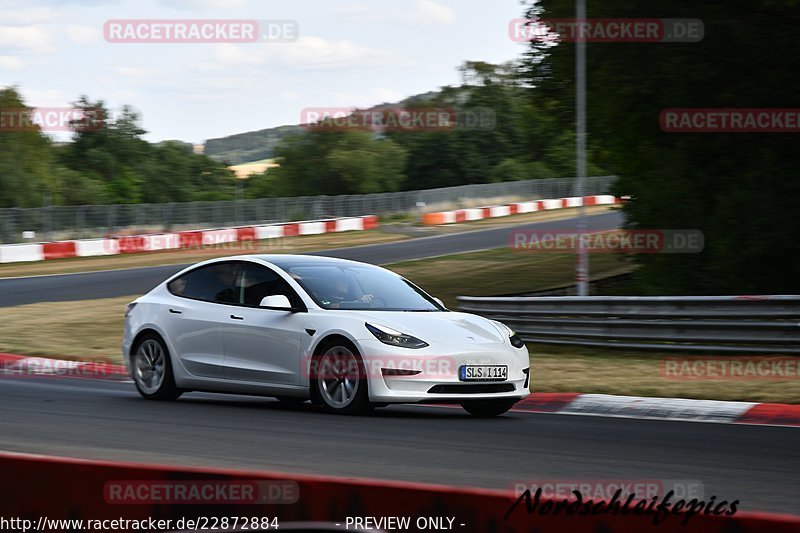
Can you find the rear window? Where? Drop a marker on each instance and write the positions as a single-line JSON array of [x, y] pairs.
[[211, 283]]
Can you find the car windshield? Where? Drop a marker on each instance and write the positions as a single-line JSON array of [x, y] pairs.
[[354, 287]]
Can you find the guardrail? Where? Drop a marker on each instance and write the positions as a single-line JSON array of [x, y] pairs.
[[728, 324], [94, 221]]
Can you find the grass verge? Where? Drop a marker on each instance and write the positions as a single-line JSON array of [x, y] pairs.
[[93, 330], [502, 271], [638, 373]]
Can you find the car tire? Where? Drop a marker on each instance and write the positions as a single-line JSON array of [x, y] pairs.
[[151, 369], [488, 408], [339, 379]]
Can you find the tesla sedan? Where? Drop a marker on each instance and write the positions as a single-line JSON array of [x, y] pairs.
[[347, 336]]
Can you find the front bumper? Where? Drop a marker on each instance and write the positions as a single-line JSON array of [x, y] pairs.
[[435, 377]]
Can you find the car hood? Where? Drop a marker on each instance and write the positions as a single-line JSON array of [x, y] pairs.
[[437, 327]]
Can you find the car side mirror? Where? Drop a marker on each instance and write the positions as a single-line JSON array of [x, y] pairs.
[[438, 301], [276, 301]]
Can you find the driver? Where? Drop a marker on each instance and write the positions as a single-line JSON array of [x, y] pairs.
[[339, 291]]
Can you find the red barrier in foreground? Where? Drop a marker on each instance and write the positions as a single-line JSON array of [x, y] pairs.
[[59, 488]]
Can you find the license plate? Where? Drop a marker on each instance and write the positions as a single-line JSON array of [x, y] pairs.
[[483, 373]]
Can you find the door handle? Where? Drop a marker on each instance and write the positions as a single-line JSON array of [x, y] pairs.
[[237, 317], [175, 311]]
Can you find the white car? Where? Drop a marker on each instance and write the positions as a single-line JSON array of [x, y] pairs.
[[346, 335]]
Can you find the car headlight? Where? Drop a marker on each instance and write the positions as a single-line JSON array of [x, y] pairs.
[[395, 338], [516, 342]]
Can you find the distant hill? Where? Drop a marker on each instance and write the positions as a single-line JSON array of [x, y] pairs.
[[247, 147], [258, 145]]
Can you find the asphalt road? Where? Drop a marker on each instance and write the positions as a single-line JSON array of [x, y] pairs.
[[759, 465], [108, 284]]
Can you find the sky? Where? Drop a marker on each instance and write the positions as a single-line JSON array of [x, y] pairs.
[[349, 53]]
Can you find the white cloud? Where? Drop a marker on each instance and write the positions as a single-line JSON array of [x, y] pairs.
[[358, 13], [26, 38], [45, 98], [420, 13], [24, 16], [308, 53], [82, 34], [10, 63], [202, 5], [137, 72], [429, 12], [365, 98]]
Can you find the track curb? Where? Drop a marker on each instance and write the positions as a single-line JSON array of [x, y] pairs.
[[572, 403]]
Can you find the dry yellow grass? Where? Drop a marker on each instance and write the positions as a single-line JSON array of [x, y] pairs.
[[563, 369], [255, 167], [502, 271], [65, 330]]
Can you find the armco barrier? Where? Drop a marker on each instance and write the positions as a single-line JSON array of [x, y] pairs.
[[60, 488], [128, 244], [722, 324]]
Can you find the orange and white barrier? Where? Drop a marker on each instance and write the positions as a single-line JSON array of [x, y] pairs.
[[517, 208]]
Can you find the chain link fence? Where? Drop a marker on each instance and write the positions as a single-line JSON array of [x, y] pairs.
[[88, 221]]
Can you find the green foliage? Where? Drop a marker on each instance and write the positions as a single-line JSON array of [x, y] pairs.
[[26, 159], [739, 189], [332, 162], [501, 134], [106, 162]]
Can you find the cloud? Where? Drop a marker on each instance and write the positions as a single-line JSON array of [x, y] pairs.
[[10, 63], [82, 34], [429, 12], [421, 13], [308, 52], [367, 97], [26, 16], [203, 5], [24, 38], [46, 98]]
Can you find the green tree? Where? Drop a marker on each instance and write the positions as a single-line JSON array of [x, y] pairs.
[[333, 162], [739, 189], [26, 156]]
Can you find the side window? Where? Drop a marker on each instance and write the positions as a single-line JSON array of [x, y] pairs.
[[212, 283], [256, 281]]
